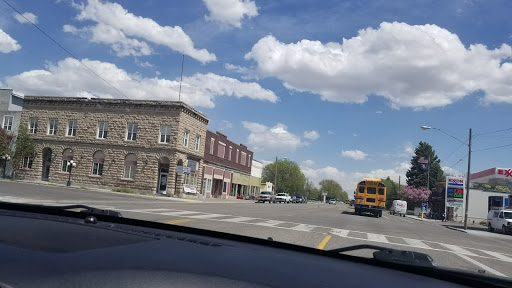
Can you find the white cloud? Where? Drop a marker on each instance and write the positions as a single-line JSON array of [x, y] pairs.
[[271, 139], [453, 172], [7, 43], [117, 27], [144, 64], [308, 163], [420, 66], [27, 15], [408, 149], [247, 73], [355, 135], [378, 112], [224, 125], [330, 132], [230, 12], [311, 135], [69, 78], [349, 180], [354, 154]]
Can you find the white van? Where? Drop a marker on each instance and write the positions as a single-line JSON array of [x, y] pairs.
[[399, 207], [499, 219]]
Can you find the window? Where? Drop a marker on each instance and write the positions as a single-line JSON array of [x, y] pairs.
[[190, 179], [221, 150], [8, 122], [244, 155], [361, 189], [67, 156], [370, 200], [27, 162], [371, 190], [130, 163], [212, 142], [381, 191], [102, 130], [52, 127], [236, 160], [131, 134], [72, 125], [229, 153], [165, 134], [225, 187], [98, 158], [501, 215], [185, 138], [249, 162], [198, 142], [32, 128]]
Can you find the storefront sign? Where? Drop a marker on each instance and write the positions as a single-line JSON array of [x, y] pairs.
[[454, 191]]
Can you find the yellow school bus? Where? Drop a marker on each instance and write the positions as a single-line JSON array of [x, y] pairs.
[[370, 197]]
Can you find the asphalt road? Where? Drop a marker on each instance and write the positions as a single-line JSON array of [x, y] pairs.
[[321, 226]]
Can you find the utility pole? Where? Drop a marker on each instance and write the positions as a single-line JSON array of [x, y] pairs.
[[275, 177], [467, 184]]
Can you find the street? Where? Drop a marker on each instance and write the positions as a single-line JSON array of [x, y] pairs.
[[321, 226]]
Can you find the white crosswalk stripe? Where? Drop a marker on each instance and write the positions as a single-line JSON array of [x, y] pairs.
[[377, 238], [179, 213], [206, 216], [498, 255], [339, 232], [238, 219], [416, 243], [458, 249], [270, 223], [303, 227]]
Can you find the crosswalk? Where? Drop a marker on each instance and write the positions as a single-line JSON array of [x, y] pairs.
[[365, 236]]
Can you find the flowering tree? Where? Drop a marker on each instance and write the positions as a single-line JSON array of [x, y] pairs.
[[416, 195]]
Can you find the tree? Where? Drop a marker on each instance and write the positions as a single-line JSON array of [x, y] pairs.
[[5, 140], [415, 195], [333, 189], [25, 146], [289, 176], [416, 176], [310, 191], [392, 192]]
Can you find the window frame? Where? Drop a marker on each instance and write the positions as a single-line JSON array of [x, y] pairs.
[[186, 135], [71, 131], [52, 130], [32, 129], [198, 142], [221, 148], [102, 130], [131, 132], [27, 162], [4, 122], [167, 135], [373, 189], [212, 143]]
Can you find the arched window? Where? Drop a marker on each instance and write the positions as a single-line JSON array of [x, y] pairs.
[[130, 163], [67, 156], [97, 163]]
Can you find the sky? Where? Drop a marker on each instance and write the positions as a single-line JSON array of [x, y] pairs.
[[340, 87]]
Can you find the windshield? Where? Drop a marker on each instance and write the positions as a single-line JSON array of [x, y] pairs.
[[207, 110], [507, 215]]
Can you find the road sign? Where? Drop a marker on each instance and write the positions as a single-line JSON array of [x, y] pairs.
[[424, 207], [324, 193]]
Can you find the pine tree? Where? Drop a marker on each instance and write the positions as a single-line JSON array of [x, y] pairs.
[[416, 175]]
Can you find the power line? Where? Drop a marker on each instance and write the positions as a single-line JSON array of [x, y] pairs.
[[57, 43], [457, 162], [497, 131], [491, 148], [447, 157]]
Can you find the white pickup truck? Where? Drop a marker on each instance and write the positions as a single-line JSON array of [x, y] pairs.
[[283, 197]]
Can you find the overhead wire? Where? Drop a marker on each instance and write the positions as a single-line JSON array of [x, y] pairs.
[[66, 50], [492, 132]]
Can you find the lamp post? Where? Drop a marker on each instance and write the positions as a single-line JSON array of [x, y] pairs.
[[469, 169], [6, 158], [71, 164]]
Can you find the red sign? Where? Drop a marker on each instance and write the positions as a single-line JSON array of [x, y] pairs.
[[505, 172], [456, 181]]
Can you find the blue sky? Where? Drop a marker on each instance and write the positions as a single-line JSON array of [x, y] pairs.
[[340, 87]]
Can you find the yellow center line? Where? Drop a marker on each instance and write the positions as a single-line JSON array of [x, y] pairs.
[[324, 242], [178, 221]]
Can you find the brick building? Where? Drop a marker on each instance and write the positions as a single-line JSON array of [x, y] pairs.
[[137, 144], [227, 167]]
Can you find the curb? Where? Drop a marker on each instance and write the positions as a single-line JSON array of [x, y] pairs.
[[456, 229]]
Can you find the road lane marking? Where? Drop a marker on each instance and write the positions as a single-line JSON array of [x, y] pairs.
[[237, 219], [179, 213], [486, 268], [339, 232], [303, 227], [324, 242], [206, 216], [498, 255], [270, 223], [377, 238], [416, 243], [458, 249], [177, 221], [384, 217], [154, 210]]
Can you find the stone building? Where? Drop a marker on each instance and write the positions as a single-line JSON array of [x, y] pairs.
[[227, 167], [137, 144]]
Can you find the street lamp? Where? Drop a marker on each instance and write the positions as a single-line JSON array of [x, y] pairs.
[[71, 164], [469, 169], [6, 158]]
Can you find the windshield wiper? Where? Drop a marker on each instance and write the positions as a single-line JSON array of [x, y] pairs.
[[395, 256]]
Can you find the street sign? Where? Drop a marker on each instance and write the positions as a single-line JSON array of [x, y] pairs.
[[324, 193], [424, 207], [454, 191]]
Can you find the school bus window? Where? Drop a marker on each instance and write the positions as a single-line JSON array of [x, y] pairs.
[[381, 191], [371, 190], [370, 200], [361, 189]]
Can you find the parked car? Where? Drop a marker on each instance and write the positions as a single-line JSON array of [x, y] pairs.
[[250, 197], [352, 202], [299, 199], [332, 201], [283, 197], [267, 196], [398, 207], [499, 219]]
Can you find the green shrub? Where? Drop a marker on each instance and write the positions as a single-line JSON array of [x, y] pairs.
[[123, 190]]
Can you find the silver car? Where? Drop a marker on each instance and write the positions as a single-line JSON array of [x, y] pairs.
[[267, 196]]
